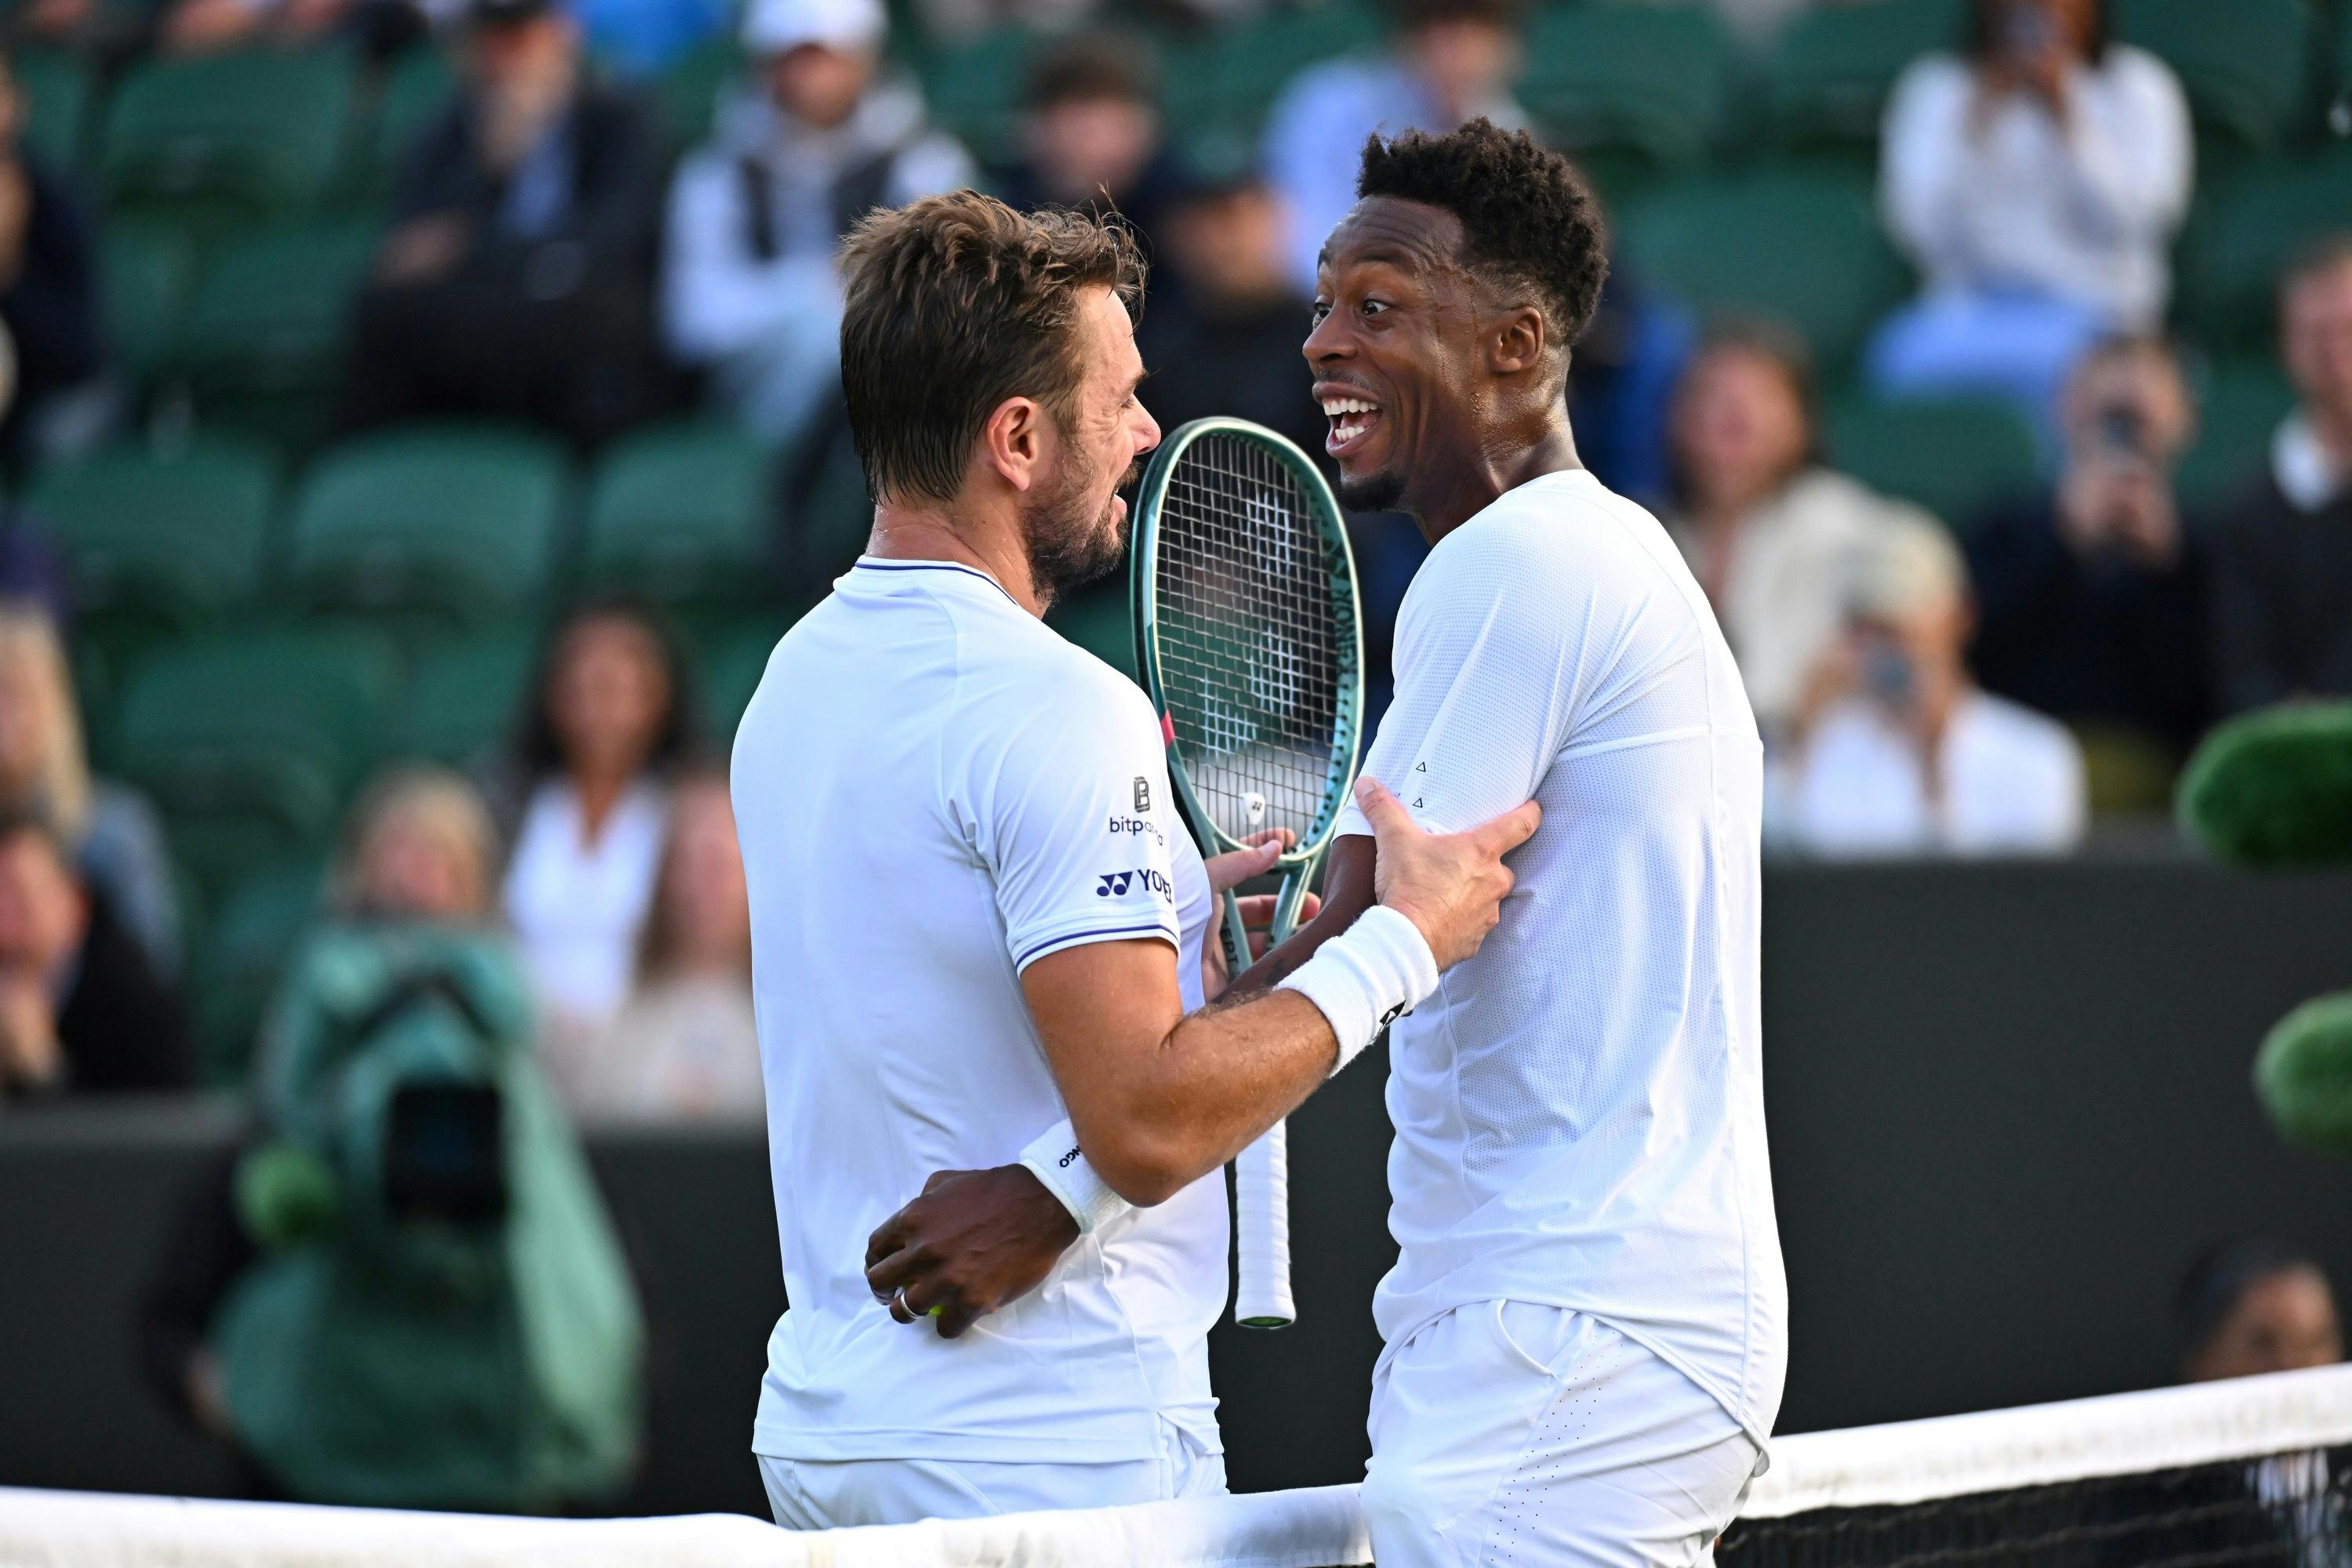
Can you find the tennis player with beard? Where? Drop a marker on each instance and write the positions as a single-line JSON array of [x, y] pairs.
[[976, 929], [1585, 1330]]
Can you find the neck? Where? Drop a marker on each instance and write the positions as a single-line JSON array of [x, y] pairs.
[[977, 539], [1493, 470]]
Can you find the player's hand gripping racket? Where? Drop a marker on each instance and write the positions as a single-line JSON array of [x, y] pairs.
[[1250, 643]]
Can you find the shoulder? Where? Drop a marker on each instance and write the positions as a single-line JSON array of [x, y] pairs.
[[1932, 82], [2133, 69]]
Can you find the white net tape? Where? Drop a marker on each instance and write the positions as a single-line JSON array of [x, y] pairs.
[[1315, 1528]]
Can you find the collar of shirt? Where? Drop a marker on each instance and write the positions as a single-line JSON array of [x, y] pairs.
[[2306, 474]]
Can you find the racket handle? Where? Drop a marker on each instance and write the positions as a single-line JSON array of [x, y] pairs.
[[1262, 1233]]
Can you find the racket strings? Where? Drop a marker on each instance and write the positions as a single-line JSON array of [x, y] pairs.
[[1252, 639]]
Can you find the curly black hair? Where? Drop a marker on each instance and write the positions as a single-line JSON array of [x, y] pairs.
[[1527, 218]]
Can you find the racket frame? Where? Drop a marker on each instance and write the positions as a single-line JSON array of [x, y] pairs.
[[1265, 1162]]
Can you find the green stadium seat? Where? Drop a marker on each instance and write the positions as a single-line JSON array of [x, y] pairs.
[[2246, 66], [174, 535], [1226, 85], [830, 522], [249, 742], [2239, 409], [1098, 620], [2250, 231], [144, 274], [686, 95], [57, 96], [465, 697], [241, 963], [972, 87], [733, 658], [418, 87], [250, 133], [451, 522], [1804, 249], [1957, 456], [1653, 79], [262, 345], [1832, 66], [684, 513]]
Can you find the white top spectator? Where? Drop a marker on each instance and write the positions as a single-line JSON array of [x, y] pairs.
[[578, 902], [1994, 191]]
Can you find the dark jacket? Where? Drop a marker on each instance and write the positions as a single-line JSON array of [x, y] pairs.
[[52, 308], [2104, 639], [2282, 601], [122, 1025], [602, 228]]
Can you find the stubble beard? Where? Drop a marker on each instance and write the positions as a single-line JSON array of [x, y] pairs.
[[1068, 547]]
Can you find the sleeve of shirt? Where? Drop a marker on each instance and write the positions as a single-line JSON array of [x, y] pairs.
[[1922, 169], [2133, 152], [1486, 669], [1073, 820]]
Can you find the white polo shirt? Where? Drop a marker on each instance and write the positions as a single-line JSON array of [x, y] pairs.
[[1580, 1109], [933, 791]]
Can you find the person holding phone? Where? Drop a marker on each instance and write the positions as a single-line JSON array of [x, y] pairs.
[[2036, 179], [2091, 594], [1897, 753]]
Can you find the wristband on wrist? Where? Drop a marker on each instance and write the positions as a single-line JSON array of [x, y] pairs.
[[1366, 977], [1055, 1160]]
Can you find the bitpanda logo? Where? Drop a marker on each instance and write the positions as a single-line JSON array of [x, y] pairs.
[[1142, 794], [1138, 825]]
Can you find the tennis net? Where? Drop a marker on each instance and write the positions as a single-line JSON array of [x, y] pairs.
[[2257, 1471]]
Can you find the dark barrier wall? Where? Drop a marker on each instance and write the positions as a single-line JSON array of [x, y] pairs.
[[2007, 1101]]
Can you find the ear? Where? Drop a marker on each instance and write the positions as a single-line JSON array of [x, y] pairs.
[[1518, 342], [1013, 442]]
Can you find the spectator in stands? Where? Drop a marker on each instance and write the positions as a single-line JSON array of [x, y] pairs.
[[1451, 62], [2089, 598], [380, 29], [1226, 341], [2036, 181], [420, 846], [1091, 139], [749, 289], [516, 282], [1765, 525], [110, 830], [82, 1011], [49, 298], [610, 719], [686, 1046], [2283, 554], [2253, 1306], [1621, 375], [1896, 752]]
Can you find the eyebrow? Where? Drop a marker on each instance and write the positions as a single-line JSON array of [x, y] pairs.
[[1401, 257]]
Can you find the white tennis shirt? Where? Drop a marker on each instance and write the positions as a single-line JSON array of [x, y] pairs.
[[1580, 1109], [933, 791]]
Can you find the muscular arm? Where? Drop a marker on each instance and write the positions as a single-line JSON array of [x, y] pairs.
[[1348, 891], [1159, 1097]]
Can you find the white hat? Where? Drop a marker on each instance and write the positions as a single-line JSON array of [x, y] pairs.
[[773, 27]]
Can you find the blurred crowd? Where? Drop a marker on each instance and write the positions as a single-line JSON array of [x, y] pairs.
[[1980, 680]]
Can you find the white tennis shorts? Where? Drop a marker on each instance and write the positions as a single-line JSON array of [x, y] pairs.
[[1506, 1434], [827, 1494]]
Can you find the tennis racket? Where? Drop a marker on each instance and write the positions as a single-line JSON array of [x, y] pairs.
[[1251, 646]]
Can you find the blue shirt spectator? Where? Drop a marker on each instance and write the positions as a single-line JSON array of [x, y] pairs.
[[1451, 61]]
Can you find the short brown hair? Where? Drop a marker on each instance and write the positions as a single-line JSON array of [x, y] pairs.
[[957, 302]]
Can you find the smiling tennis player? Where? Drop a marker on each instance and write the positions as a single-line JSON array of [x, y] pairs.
[[1586, 1325], [977, 923]]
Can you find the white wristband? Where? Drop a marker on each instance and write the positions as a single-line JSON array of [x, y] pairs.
[[1365, 977], [1054, 1159]]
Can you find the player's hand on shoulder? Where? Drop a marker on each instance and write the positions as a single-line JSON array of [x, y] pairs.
[[974, 1242], [1450, 885]]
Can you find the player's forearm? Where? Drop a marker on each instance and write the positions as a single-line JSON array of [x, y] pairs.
[[1214, 1083], [1348, 893]]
